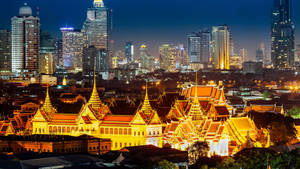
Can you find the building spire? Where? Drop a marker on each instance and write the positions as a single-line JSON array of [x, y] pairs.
[[196, 89], [98, 3], [47, 104], [195, 111], [95, 100], [146, 105]]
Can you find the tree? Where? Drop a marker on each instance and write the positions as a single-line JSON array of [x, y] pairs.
[[196, 151], [164, 164], [294, 112], [266, 94], [280, 133]]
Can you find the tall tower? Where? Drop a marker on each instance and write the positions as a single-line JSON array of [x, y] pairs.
[[220, 49], [167, 57], [25, 38], [283, 35], [129, 52], [73, 42], [96, 26], [5, 50]]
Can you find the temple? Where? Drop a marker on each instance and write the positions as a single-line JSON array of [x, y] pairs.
[[95, 119], [205, 115]]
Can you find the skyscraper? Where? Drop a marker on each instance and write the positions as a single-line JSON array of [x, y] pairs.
[[94, 58], [73, 43], [182, 59], [283, 35], [145, 59], [261, 53], [5, 50], [129, 52], [25, 41], [220, 48], [194, 47], [96, 25], [167, 57], [244, 55], [297, 54]]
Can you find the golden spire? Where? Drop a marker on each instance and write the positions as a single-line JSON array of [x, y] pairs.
[[95, 100], [195, 111], [64, 83], [47, 104], [146, 105], [196, 89]]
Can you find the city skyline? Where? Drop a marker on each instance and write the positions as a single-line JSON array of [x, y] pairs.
[[187, 17]]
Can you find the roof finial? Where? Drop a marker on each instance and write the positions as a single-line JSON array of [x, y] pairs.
[[146, 105], [196, 89], [95, 100], [47, 104]]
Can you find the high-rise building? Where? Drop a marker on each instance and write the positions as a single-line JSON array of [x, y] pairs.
[[220, 47], [46, 63], [244, 54], [96, 26], [236, 62], [194, 47], [129, 52], [182, 59], [283, 35], [167, 57], [95, 59], [58, 54], [73, 43], [25, 37], [145, 59], [5, 50], [205, 36], [297, 54], [261, 53], [46, 43]]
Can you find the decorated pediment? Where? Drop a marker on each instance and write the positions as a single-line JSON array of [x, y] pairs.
[[39, 116]]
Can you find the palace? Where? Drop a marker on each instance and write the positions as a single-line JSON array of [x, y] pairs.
[[95, 119], [205, 116]]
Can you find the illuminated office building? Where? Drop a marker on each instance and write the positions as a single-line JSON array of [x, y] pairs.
[[46, 63], [182, 59], [25, 37], [220, 47], [73, 43], [129, 52], [5, 50], [96, 25], [167, 57], [95, 59], [146, 61], [261, 53], [283, 35]]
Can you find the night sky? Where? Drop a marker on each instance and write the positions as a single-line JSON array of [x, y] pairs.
[[155, 22]]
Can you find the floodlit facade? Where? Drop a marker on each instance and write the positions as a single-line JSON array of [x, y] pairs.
[[220, 47], [25, 38], [95, 119], [206, 116]]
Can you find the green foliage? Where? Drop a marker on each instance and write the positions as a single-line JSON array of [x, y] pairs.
[[281, 128], [266, 94], [164, 164], [294, 112], [280, 133], [196, 151], [261, 158]]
